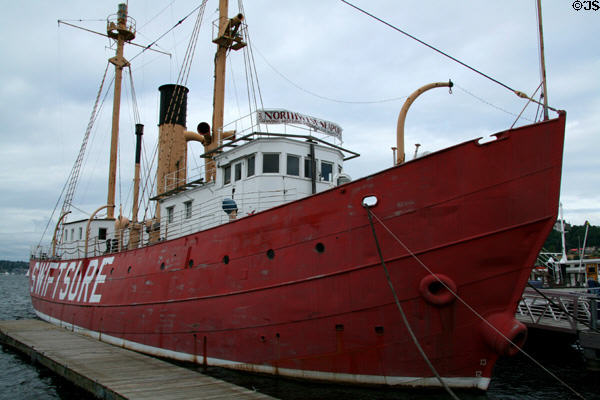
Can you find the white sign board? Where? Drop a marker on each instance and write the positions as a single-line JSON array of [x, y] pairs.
[[290, 117]]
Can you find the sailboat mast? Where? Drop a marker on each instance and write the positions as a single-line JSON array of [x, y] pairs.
[[120, 31], [542, 59]]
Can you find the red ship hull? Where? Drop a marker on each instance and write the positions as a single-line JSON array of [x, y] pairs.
[[300, 290]]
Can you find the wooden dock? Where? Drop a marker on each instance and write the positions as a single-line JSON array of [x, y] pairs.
[[110, 372]]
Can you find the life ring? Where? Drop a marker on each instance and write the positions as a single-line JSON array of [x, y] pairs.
[[434, 289], [506, 326]]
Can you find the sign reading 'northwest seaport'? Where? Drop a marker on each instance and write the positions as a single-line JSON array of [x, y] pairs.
[[290, 117]]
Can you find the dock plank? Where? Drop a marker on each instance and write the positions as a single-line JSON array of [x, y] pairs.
[[111, 372]]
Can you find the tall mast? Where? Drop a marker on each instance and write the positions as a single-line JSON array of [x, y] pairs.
[[542, 59], [228, 39], [122, 30]]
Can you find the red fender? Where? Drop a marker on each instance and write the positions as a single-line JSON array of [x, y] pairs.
[[436, 293], [508, 327]]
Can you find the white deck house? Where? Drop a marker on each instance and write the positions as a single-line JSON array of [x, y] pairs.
[[254, 173], [257, 175]]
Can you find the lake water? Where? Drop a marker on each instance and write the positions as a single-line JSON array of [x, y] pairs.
[[514, 378]]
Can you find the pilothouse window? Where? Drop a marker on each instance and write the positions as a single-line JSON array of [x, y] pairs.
[[293, 165], [270, 163], [326, 171], [251, 165], [238, 171], [188, 209], [227, 175]]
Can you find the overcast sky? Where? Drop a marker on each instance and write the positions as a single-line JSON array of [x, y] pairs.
[[322, 58]]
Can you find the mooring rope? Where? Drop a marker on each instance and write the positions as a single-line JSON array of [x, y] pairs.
[[413, 255], [404, 319]]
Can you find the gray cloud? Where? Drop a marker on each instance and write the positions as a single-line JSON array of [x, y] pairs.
[[48, 86]]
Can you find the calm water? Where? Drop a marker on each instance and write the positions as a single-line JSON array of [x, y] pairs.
[[514, 378]]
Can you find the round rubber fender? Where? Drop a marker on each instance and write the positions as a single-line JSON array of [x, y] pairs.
[[434, 289], [506, 327]]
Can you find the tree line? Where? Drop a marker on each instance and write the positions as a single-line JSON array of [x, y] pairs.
[[574, 236], [13, 266]]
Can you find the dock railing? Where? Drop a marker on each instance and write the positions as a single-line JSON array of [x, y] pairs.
[[558, 310]]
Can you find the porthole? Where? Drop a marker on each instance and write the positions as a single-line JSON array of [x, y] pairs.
[[162, 266], [225, 259], [320, 247], [271, 254]]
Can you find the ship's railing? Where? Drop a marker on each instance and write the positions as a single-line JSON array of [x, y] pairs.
[[554, 309], [174, 180], [183, 176], [76, 249], [180, 222], [209, 214]]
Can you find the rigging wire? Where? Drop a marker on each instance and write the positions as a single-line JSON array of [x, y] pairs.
[[81, 160], [74, 176], [387, 100], [251, 71], [180, 83], [487, 102], [203, 4], [428, 45], [136, 111], [157, 15], [470, 308], [518, 93], [182, 78], [526, 104], [537, 111], [136, 120], [249, 80], [94, 134]]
